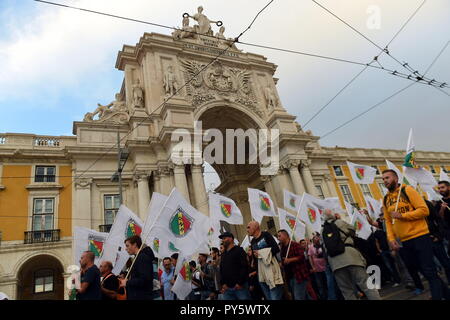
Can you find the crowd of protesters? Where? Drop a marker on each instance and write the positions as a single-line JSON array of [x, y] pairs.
[[409, 243]]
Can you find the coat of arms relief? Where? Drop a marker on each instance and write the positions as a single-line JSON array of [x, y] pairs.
[[218, 82]]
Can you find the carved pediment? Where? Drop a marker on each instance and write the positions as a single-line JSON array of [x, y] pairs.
[[218, 82]]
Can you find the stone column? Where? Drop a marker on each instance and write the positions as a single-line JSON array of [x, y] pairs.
[[297, 182], [82, 215], [309, 182], [201, 199], [330, 185], [143, 193], [165, 180], [157, 181], [180, 180]]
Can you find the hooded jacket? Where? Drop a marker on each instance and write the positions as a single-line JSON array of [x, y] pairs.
[[140, 282]]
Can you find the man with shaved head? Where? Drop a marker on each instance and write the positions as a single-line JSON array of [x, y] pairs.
[[272, 288], [90, 278], [109, 282]]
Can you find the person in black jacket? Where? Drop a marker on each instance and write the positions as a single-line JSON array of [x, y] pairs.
[[233, 270], [437, 234], [139, 285]]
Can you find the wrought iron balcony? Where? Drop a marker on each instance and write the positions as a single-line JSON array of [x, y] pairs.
[[104, 227], [42, 236]]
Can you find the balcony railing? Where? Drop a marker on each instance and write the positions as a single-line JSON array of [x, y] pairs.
[[46, 142], [42, 236], [104, 227]]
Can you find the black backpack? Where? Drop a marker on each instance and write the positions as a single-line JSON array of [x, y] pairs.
[[332, 239]]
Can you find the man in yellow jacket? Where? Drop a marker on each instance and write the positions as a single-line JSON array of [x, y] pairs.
[[408, 223]]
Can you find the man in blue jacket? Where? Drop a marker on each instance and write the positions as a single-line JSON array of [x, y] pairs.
[[139, 284]]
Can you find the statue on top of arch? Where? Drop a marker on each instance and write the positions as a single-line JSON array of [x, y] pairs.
[[202, 28]]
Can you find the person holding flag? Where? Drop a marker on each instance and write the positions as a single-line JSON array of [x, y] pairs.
[[139, 282], [266, 250], [294, 265], [405, 213]]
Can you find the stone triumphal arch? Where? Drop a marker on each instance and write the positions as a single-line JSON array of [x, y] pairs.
[[225, 90]]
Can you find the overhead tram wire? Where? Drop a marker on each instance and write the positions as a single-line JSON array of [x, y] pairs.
[[414, 73], [237, 40], [385, 99], [166, 99], [364, 69]]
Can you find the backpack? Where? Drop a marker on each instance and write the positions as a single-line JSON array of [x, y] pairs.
[[332, 239]]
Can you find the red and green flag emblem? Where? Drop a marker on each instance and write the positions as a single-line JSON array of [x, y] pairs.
[[132, 229], [290, 220], [359, 172], [292, 202], [265, 203], [312, 215], [225, 208], [181, 223], [185, 272], [358, 225], [95, 245]]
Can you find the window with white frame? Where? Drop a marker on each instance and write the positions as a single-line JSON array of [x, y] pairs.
[[432, 170], [320, 192], [382, 188], [366, 190], [346, 193], [43, 214], [45, 174], [43, 281], [111, 205]]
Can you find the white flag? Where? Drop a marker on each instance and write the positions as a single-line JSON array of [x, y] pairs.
[[361, 174], [245, 243], [412, 169], [288, 221], [432, 193], [214, 233], [154, 208], [85, 239], [351, 210], [180, 226], [183, 284], [362, 226], [224, 209], [260, 204], [291, 200], [310, 214], [125, 225], [402, 178], [373, 207], [443, 176]]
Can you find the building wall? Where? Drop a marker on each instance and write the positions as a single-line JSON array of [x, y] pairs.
[[14, 202]]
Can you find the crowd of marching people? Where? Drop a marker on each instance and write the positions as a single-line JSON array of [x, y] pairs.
[[409, 243]]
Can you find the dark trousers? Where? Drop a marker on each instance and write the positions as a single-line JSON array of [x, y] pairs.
[[320, 279], [389, 263], [418, 253], [441, 255]]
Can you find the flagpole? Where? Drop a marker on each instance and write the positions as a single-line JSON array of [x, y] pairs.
[[143, 241], [295, 224]]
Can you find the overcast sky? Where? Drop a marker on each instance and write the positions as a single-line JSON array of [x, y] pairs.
[[56, 64]]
